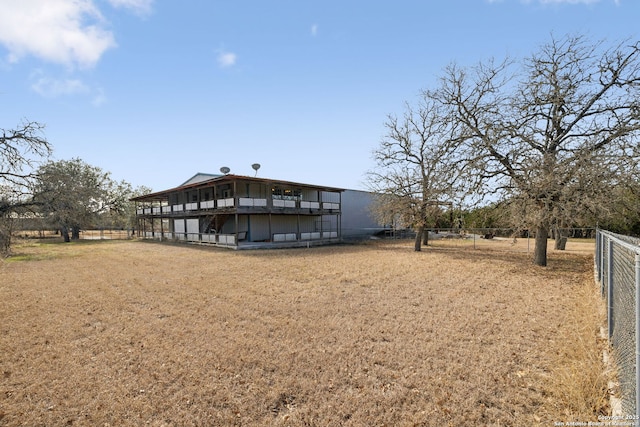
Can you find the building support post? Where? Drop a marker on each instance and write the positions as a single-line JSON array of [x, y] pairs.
[[161, 225], [340, 216], [235, 207], [237, 224], [321, 215]]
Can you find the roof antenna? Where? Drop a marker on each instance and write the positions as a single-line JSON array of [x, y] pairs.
[[255, 167], [225, 170]]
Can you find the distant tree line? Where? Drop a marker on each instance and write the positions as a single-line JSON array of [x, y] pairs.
[[551, 139], [64, 195]]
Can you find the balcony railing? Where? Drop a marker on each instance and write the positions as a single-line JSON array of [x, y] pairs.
[[234, 240], [243, 202], [225, 203], [247, 201], [221, 239]]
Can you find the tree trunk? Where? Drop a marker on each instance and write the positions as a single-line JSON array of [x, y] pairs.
[[64, 232], [561, 240], [540, 250], [425, 237], [75, 232], [5, 242], [418, 240]]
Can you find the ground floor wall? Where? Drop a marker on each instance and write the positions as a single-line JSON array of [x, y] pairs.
[[236, 229]]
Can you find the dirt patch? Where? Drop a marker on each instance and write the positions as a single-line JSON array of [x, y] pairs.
[[137, 333]]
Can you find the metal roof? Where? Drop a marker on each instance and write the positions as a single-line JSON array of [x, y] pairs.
[[162, 195], [200, 176]]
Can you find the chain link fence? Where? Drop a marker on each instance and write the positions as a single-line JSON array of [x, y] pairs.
[[617, 262]]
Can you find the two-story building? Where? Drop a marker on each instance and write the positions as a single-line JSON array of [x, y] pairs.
[[242, 212]]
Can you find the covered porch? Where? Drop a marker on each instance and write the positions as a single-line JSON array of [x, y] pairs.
[[242, 213]]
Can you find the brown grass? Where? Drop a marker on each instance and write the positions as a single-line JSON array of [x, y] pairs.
[[122, 333]]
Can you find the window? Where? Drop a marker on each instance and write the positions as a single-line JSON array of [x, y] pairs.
[[225, 191], [286, 194]]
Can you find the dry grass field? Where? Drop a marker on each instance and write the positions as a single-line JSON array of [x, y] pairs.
[[129, 333]]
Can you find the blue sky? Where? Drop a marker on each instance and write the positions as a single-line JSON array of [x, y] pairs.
[[154, 91]]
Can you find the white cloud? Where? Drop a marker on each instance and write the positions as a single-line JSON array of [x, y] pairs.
[[314, 30], [69, 32], [52, 88], [141, 7], [227, 59], [99, 98]]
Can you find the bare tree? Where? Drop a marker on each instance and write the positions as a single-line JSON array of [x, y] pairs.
[[554, 130], [418, 166], [20, 151]]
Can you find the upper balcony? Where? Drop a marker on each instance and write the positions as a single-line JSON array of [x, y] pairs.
[[233, 194], [241, 205]]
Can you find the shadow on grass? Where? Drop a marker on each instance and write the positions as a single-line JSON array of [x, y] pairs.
[[48, 248], [556, 260], [565, 261], [316, 251]]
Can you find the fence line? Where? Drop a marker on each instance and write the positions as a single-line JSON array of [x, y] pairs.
[[106, 234], [617, 263]]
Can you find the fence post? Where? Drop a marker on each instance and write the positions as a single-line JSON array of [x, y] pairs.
[[602, 243], [601, 264], [610, 288], [598, 256], [637, 336]]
